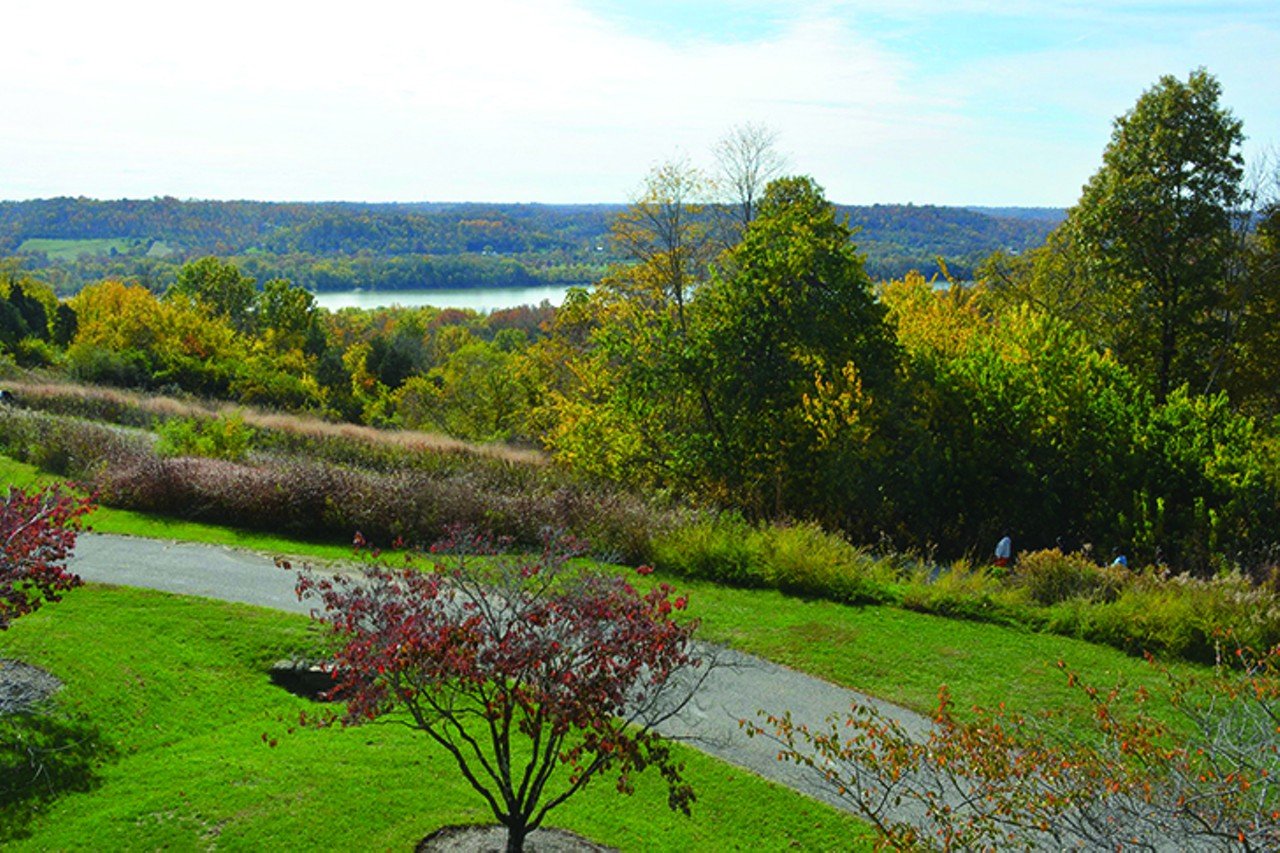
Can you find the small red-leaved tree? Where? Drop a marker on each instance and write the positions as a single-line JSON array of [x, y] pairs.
[[535, 673], [1137, 781], [37, 534]]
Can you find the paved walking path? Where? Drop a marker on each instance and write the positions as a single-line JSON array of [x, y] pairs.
[[738, 687]]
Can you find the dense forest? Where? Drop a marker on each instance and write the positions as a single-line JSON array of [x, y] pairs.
[[69, 243]]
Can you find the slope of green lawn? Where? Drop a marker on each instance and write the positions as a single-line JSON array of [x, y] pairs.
[[896, 654], [160, 730], [904, 656], [159, 743]]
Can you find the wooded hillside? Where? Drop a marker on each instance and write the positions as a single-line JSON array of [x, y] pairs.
[[71, 242]]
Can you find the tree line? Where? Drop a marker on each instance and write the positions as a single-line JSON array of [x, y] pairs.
[[389, 247]]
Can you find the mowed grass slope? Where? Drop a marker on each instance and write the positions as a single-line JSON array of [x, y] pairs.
[[168, 701], [899, 655], [904, 657], [162, 721]]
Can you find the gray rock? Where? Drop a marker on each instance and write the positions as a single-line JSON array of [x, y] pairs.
[[301, 677], [483, 839], [23, 686]]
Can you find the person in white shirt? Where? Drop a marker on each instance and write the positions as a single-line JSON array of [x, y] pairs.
[[1004, 551]]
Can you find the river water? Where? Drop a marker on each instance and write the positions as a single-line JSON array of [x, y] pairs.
[[483, 299]]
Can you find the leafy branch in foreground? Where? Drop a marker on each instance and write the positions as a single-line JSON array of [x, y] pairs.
[[1004, 780], [535, 673], [37, 534]]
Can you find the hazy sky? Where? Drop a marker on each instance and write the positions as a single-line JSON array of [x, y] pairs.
[[965, 102]]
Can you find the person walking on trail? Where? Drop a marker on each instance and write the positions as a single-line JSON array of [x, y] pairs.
[[1004, 551]]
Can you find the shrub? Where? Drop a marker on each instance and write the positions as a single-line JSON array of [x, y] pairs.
[[347, 444], [223, 437], [1051, 576], [965, 592], [33, 352], [317, 498], [805, 559], [37, 535], [1005, 781], [91, 363], [520, 668], [1178, 616], [621, 524], [797, 558], [721, 547], [68, 447]]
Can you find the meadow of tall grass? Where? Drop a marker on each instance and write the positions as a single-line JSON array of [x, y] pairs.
[[1149, 609], [329, 494]]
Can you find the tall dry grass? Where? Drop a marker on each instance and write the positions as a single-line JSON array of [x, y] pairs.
[[319, 498], [132, 408]]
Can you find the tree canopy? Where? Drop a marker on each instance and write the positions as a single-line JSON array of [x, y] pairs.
[[1154, 225], [791, 312]]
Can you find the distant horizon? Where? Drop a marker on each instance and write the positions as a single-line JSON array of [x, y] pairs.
[[956, 103], [376, 202]]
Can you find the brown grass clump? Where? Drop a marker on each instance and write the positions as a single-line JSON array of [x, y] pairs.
[[1050, 577]]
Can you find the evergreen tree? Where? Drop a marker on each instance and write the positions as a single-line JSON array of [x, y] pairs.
[[30, 309]]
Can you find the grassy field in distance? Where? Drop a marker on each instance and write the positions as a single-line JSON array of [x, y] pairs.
[[59, 249]]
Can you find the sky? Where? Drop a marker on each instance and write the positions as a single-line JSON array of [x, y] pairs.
[[563, 101]]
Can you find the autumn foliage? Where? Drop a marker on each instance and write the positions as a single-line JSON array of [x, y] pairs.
[[536, 675], [1193, 768], [37, 534]]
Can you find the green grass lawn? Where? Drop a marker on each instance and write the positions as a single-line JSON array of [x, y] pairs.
[[111, 520], [896, 654], [69, 250], [158, 743], [161, 725], [905, 656]]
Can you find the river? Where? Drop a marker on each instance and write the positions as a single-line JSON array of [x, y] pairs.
[[483, 299]]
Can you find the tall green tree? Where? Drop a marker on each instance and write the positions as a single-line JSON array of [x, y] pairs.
[[479, 393], [64, 325], [221, 287], [618, 398], [286, 314], [1255, 382], [1054, 279], [667, 232], [791, 345], [1154, 225], [31, 310]]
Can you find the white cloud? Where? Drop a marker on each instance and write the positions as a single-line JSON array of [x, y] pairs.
[[441, 100]]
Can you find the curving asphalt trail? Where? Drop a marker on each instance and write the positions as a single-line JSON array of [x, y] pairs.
[[737, 688]]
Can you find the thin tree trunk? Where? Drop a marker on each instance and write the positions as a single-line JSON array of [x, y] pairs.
[[516, 836], [1167, 344]]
